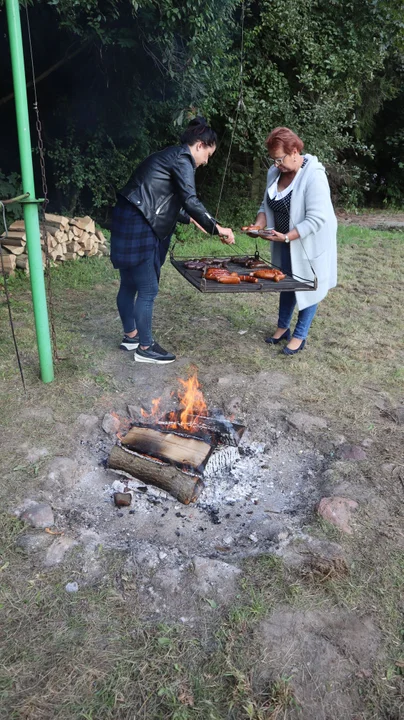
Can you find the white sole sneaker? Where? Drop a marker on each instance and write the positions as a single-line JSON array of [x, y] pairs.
[[139, 358], [129, 346]]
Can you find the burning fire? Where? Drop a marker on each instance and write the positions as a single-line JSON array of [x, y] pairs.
[[192, 407]]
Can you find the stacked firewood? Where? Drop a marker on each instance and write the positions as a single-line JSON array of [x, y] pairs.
[[64, 238]]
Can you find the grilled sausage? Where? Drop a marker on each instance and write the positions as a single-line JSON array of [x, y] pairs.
[[229, 279], [248, 278], [269, 274], [212, 273], [256, 264], [194, 265]]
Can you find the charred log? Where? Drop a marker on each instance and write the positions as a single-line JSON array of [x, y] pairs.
[[185, 488]]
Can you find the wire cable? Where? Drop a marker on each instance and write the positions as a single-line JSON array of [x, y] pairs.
[[7, 294]]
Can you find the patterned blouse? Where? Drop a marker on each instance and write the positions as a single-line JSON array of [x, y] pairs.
[[281, 209]]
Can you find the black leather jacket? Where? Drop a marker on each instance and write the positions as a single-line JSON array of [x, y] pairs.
[[163, 187]]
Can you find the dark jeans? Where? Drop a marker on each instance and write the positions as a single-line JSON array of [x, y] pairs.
[[287, 303], [137, 292]]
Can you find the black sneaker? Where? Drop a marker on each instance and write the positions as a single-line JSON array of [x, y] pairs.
[[129, 343], [154, 354]]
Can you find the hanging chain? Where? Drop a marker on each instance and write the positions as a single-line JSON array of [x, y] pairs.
[[45, 203], [7, 294]]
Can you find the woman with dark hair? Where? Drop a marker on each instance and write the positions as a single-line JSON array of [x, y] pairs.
[[160, 193], [297, 206]]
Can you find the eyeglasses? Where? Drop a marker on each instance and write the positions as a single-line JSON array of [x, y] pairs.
[[278, 161]]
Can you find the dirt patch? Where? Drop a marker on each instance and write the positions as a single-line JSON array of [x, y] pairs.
[[322, 654], [389, 220]]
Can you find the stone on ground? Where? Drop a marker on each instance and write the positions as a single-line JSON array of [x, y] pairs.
[[214, 577], [306, 423], [31, 543], [58, 550], [338, 512], [39, 515], [110, 424]]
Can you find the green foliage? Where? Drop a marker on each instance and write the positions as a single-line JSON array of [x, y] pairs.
[[91, 168], [329, 69]]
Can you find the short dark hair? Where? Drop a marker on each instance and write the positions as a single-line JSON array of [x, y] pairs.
[[198, 130], [285, 137]]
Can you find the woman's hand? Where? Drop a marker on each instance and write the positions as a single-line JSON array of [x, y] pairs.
[[198, 226], [273, 235], [226, 235]]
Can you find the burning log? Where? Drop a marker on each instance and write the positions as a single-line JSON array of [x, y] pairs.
[[186, 488], [182, 451], [174, 451]]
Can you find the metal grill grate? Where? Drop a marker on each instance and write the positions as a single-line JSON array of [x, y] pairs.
[[288, 284]]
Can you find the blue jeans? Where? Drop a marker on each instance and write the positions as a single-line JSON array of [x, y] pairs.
[[287, 303], [135, 299], [137, 292]]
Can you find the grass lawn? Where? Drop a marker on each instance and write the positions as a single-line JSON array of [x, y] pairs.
[[92, 655]]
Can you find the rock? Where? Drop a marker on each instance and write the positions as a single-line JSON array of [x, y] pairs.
[[253, 538], [367, 442], [135, 411], [352, 452], [31, 543], [338, 511], [36, 454], [87, 422], [39, 414], [39, 515], [62, 472], [214, 577], [110, 424], [306, 423], [58, 550], [71, 587], [122, 499], [313, 553], [228, 540]]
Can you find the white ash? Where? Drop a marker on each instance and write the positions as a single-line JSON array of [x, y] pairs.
[[221, 458], [232, 485]]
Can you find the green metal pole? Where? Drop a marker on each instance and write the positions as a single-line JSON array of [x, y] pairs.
[[31, 205]]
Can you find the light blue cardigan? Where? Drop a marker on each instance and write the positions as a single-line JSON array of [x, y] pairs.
[[312, 214]]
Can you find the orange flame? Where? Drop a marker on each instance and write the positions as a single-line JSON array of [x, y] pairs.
[[155, 411], [192, 406], [192, 403]]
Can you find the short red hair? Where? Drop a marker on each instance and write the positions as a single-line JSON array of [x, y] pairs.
[[285, 137]]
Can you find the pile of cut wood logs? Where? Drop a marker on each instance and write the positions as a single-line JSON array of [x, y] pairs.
[[65, 239]]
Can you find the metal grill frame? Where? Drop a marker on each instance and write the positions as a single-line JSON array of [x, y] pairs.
[[289, 284]]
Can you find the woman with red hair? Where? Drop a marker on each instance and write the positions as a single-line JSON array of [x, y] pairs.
[[297, 207]]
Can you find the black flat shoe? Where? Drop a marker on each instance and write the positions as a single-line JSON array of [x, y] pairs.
[[288, 351], [275, 341]]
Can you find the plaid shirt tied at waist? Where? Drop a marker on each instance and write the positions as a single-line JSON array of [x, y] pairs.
[[132, 238]]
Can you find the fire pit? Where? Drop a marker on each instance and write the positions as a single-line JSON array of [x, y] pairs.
[[177, 450]]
